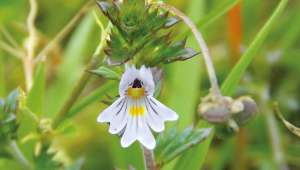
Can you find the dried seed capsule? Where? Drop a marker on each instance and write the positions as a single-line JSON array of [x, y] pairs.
[[249, 111], [214, 112]]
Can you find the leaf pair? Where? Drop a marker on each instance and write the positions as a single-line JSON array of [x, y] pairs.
[[172, 143]]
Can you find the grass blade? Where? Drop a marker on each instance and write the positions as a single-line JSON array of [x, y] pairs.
[[97, 95], [235, 75], [2, 78], [78, 48], [194, 158], [213, 15], [36, 96]]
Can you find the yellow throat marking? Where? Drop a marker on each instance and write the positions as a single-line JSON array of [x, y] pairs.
[[137, 110], [136, 93]]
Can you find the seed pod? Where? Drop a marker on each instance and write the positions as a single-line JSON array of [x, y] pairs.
[[249, 111], [214, 112]]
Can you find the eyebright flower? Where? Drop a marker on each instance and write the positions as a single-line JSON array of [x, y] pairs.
[[136, 111]]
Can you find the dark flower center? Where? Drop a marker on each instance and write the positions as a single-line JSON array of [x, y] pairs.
[[137, 83]]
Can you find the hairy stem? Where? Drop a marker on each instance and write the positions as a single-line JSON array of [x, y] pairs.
[[18, 155], [148, 159], [202, 45]]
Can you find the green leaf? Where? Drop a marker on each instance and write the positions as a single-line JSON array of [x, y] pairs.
[[44, 161], [194, 158], [97, 95], [172, 143], [106, 73], [237, 72], [221, 9], [36, 96], [2, 75], [184, 54], [76, 165]]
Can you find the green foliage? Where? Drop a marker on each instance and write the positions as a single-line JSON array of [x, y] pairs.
[[172, 143], [237, 72], [140, 33], [76, 51], [2, 75], [109, 88], [36, 96], [44, 160], [106, 72], [77, 165], [8, 122], [194, 158]]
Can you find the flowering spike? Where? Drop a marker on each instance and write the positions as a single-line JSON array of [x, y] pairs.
[[137, 33]]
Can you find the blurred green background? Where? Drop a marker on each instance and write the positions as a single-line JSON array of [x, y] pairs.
[[273, 76]]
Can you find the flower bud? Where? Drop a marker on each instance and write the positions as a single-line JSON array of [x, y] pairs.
[[249, 110]]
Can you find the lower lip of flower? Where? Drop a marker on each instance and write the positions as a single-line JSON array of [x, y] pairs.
[[136, 93], [137, 110]]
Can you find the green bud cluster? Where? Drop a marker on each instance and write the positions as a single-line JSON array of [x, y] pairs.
[[142, 33]]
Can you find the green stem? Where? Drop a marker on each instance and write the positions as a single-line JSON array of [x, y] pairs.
[[63, 113], [18, 155], [76, 92]]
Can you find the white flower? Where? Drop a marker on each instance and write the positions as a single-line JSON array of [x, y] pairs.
[[136, 111]]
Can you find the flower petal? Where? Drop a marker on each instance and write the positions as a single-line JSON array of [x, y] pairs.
[[164, 112], [147, 78], [119, 120], [144, 134], [153, 119], [107, 114], [130, 134]]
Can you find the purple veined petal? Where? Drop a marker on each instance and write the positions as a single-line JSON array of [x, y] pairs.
[[130, 134], [144, 134], [107, 114], [164, 112], [119, 120], [152, 117]]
